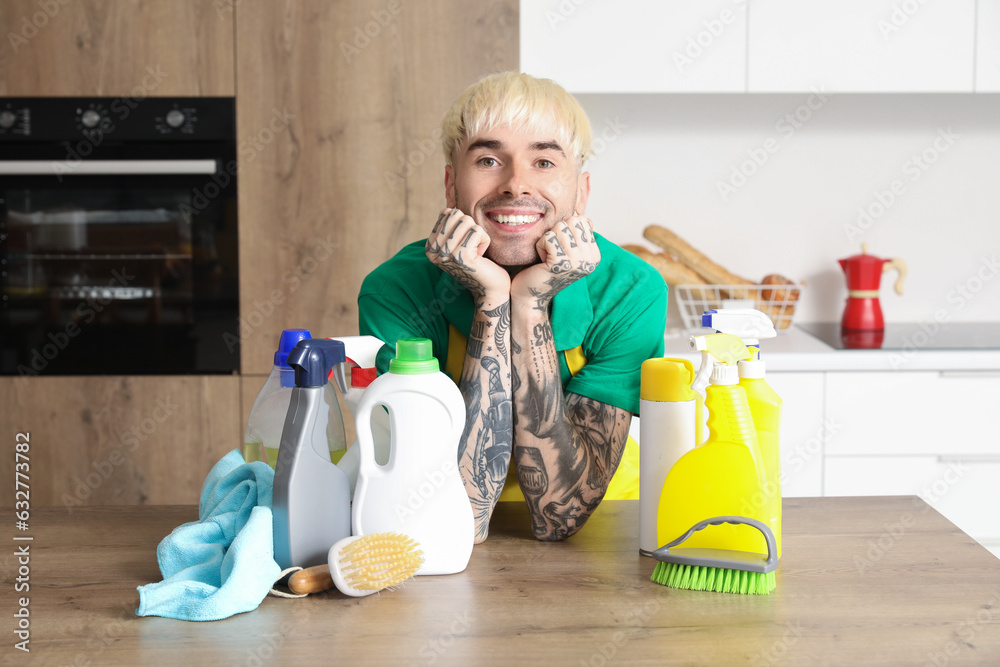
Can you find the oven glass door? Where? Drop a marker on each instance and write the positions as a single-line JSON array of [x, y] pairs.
[[121, 266]]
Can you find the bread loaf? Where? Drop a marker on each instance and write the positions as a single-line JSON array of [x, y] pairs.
[[711, 272], [778, 294], [673, 272]]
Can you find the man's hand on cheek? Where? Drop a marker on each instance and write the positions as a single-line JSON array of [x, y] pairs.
[[457, 244], [568, 252]]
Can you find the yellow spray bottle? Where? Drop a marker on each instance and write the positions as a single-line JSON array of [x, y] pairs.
[[765, 403], [718, 477]]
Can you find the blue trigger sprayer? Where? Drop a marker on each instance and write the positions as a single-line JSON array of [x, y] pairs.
[[312, 496]]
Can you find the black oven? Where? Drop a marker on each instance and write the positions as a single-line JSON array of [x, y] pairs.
[[118, 236]]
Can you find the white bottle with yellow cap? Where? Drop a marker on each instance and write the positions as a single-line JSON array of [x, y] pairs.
[[670, 424]]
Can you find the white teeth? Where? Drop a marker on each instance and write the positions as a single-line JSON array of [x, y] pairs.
[[515, 219]]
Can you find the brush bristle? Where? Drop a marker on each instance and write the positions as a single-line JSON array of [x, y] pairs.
[[719, 580], [380, 560]]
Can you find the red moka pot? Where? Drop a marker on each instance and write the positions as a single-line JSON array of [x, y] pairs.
[[864, 275]]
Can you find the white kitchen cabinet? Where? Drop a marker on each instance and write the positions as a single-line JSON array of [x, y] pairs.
[[932, 434], [640, 46], [988, 47], [913, 413], [861, 46], [804, 432], [962, 488]]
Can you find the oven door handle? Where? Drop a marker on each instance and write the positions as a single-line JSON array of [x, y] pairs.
[[62, 168]]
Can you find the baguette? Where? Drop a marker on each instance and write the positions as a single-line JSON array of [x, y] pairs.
[[673, 272], [711, 272]]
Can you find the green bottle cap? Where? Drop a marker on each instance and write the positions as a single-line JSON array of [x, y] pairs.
[[414, 356]]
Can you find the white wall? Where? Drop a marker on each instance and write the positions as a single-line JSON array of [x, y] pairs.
[[662, 159]]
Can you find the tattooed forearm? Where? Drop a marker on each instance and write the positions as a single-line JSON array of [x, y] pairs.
[[569, 445], [485, 450], [500, 332]]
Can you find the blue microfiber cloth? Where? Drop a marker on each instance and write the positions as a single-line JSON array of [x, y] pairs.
[[223, 563]]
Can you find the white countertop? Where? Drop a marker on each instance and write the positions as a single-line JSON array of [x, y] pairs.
[[795, 350]]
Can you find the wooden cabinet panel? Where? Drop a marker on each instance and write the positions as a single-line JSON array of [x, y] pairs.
[[108, 48], [118, 440], [339, 109]]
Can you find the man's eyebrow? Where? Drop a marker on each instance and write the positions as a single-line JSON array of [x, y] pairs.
[[491, 144], [548, 146]]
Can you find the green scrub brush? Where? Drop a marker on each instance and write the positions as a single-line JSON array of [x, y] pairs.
[[719, 570]]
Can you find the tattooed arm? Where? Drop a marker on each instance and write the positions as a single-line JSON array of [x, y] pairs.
[[567, 447], [456, 244]]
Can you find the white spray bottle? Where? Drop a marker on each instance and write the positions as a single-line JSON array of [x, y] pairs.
[[359, 372], [419, 491]]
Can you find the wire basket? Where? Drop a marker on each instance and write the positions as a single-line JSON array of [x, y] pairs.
[[776, 301]]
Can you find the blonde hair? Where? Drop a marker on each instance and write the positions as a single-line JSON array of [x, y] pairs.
[[519, 101]]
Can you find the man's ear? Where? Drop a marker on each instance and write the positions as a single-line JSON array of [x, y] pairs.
[[449, 186], [582, 193]]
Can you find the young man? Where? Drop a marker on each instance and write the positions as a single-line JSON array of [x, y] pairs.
[[548, 321]]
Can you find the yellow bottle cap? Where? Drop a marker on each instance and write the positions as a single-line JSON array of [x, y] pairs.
[[665, 379]]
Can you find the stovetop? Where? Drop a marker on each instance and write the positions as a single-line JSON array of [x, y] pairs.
[[910, 335]]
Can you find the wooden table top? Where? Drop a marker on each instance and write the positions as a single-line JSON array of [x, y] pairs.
[[876, 581]]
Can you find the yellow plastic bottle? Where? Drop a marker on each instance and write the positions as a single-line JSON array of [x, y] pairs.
[[724, 475], [765, 407]]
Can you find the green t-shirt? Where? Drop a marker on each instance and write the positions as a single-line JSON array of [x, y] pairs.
[[617, 315]]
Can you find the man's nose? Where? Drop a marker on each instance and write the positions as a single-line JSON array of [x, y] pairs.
[[516, 181]]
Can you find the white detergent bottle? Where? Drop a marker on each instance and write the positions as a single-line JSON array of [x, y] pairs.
[[419, 491], [669, 427]]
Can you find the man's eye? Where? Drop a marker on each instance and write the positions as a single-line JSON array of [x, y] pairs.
[[488, 161], [545, 164]]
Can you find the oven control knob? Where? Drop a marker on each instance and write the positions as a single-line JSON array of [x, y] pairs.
[[7, 119], [175, 118], [90, 118]]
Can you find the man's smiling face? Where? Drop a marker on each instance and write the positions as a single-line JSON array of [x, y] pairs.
[[517, 185]]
